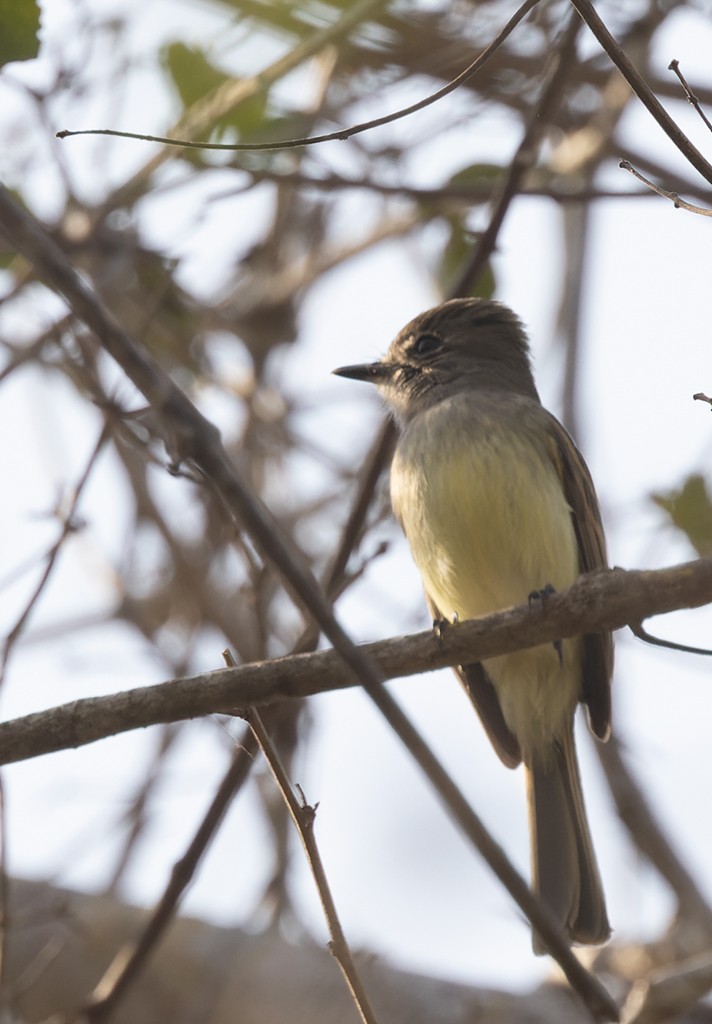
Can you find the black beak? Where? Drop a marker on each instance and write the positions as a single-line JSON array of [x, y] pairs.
[[373, 373]]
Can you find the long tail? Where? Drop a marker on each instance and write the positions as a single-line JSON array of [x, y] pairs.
[[564, 870]]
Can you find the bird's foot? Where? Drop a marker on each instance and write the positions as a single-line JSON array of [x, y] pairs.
[[541, 597], [440, 625]]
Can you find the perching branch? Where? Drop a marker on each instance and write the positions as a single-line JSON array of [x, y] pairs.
[[604, 600]]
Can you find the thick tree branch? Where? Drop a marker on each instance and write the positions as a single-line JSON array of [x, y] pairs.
[[599, 601]]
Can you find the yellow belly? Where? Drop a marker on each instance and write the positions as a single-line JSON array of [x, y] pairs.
[[488, 523]]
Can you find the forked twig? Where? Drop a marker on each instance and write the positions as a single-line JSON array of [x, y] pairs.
[[303, 815], [641, 89], [674, 65]]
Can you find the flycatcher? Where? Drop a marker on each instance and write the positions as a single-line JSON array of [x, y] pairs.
[[497, 505]]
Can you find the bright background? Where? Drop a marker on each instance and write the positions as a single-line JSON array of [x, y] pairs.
[[406, 884]]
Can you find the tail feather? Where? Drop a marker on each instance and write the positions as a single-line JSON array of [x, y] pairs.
[[564, 870]]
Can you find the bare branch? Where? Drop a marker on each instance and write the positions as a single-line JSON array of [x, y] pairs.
[[600, 601], [642, 90], [674, 65], [678, 203], [343, 133], [669, 645], [465, 194], [303, 815], [669, 992]]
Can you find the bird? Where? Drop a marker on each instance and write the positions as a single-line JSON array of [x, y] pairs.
[[498, 507]]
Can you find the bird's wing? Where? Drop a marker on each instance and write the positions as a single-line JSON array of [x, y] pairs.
[[479, 689], [581, 496]]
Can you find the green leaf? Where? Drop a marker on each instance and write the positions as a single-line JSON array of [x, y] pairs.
[[192, 73], [19, 28], [690, 510], [458, 250], [477, 175], [194, 76]]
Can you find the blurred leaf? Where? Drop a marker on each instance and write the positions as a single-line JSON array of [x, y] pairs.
[[192, 73], [690, 510], [457, 252], [194, 77], [19, 28], [477, 175]]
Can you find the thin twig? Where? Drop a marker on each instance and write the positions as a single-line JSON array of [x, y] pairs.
[[69, 526], [642, 90], [701, 397], [656, 641], [203, 114], [303, 815], [129, 963], [343, 133], [678, 203], [674, 65]]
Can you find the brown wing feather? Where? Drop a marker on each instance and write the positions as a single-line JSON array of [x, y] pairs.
[[479, 689], [586, 515]]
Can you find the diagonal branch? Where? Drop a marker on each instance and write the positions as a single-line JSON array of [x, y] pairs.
[[641, 88], [303, 816]]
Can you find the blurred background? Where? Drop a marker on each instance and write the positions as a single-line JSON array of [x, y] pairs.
[[250, 276]]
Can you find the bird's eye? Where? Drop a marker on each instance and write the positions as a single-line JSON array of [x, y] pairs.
[[426, 344]]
